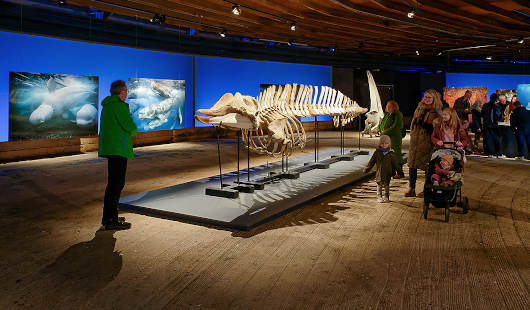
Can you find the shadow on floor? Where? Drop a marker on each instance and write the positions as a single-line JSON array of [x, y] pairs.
[[75, 276]]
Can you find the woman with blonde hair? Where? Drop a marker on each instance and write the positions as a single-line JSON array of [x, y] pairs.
[[421, 129], [448, 128]]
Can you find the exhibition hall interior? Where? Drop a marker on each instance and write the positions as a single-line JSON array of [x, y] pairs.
[[302, 154]]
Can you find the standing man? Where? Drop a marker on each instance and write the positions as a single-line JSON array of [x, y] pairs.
[[462, 107], [115, 143], [509, 141], [520, 122], [491, 115]]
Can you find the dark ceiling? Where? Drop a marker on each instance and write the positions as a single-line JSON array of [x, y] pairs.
[[448, 35]]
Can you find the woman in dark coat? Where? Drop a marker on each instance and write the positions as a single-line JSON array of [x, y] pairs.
[[520, 123], [421, 129], [392, 126]]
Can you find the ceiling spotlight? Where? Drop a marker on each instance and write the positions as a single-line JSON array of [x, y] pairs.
[[61, 2], [417, 52], [158, 19], [236, 9], [331, 49], [293, 26], [439, 54], [222, 33], [489, 57], [411, 13], [520, 41]]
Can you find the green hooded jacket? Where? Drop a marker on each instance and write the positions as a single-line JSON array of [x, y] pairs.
[[116, 128]]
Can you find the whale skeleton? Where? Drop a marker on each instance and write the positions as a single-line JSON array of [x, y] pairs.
[[270, 123]]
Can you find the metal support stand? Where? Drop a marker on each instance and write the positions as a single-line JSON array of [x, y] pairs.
[[316, 164], [219, 156], [238, 138], [359, 132], [243, 185], [341, 136], [285, 173], [316, 139], [342, 156], [245, 188], [248, 156], [221, 192]]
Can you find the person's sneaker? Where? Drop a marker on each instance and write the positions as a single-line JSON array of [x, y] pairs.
[[386, 200], [397, 176], [501, 156], [419, 195], [117, 225], [490, 156], [379, 199], [410, 193]]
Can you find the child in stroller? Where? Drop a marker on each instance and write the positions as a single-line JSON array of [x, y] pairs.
[[443, 182], [444, 172]]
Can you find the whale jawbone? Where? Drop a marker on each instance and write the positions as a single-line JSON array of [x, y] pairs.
[[43, 113]]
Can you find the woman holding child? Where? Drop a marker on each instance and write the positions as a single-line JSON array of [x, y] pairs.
[[421, 129]]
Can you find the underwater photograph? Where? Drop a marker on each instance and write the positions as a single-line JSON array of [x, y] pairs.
[[523, 94], [156, 104], [50, 106]]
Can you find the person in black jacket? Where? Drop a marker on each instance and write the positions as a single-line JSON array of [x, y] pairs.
[[520, 123], [476, 124], [492, 113], [462, 106]]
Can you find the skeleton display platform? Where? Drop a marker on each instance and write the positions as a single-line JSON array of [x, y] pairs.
[[188, 201]]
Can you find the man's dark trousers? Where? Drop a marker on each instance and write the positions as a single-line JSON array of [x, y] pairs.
[[117, 166], [493, 141], [523, 143]]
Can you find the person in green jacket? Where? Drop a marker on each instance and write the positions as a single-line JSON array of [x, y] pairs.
[[392, 125], [115, 144]]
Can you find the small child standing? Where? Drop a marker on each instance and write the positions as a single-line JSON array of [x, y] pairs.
[[384, 161]]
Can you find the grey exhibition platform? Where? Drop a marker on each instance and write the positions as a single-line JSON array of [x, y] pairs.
[[188, 201]]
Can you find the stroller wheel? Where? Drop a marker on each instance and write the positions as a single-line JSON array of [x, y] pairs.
[[425, 210], [447, 212], [465, 204]]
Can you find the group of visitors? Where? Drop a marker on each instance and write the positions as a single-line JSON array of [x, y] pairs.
[[434, 125], [502, 122]]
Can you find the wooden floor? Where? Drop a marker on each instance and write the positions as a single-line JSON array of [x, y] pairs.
[[341, 251]]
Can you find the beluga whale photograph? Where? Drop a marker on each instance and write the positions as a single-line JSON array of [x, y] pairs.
[[157, 104], [49, 106]]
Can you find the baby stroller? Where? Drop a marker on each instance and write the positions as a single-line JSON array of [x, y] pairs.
[[444, 196]]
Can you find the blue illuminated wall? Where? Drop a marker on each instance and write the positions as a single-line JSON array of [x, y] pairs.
[[28, 53], [217, 76], [492, 81]]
